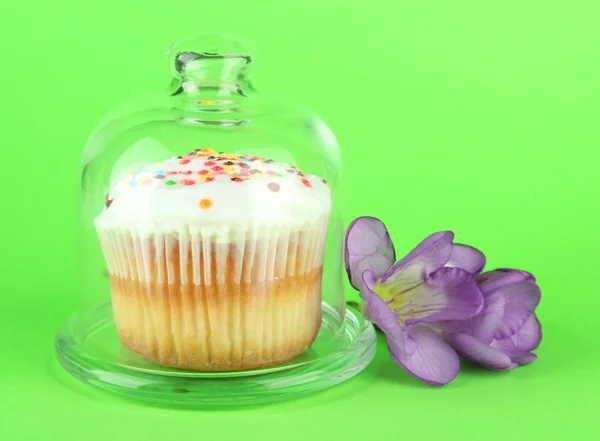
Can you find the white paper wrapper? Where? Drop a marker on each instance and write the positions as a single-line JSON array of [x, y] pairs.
[[202, 301]]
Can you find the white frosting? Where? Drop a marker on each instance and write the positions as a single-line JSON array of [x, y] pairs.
[[268, 195]]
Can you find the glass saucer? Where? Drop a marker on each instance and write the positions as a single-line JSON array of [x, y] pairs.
[[95, 355]]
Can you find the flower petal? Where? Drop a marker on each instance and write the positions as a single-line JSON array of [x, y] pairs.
[[521, 300], [529, 336], [484, 324], [482, 354], [380, 313], [433, 362], [492, 280], [517, 347], [528, 276], [517, 356], [368, 246], [429, 256], [525, 359], [468, 258], [447, 294]]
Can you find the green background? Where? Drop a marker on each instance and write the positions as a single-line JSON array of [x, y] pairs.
[[476, 116]]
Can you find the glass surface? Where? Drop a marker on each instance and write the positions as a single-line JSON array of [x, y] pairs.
[[211, 230], [114, 369]]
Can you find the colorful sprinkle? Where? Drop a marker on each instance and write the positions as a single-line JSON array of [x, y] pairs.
[[205, 204], [325, 181], [273, 186], [230, 156], [206, 166]]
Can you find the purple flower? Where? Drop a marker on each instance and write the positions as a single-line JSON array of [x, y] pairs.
[[433, 283], [503, 334]]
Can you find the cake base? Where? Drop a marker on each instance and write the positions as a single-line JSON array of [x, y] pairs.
[[88, 347], [218, 327]]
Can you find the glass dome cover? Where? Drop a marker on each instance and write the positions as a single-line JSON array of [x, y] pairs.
[[211, 238]]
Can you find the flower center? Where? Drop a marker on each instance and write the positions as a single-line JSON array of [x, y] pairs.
[[410, 300]]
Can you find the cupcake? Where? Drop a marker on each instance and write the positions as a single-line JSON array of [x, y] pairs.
[[215, 260]]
